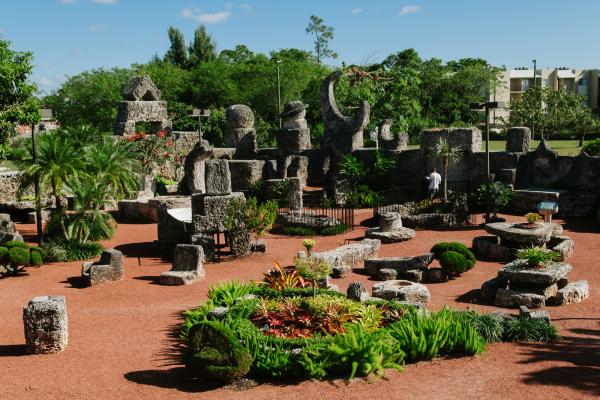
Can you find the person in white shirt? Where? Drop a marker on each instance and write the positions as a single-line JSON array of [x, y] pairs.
[[434, 183]]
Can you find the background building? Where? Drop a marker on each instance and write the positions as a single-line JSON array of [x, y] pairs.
[[515, 82]]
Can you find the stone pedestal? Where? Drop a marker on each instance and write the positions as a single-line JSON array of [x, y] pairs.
[[518, 139], [46, 325], [390, 229], [402, 290]]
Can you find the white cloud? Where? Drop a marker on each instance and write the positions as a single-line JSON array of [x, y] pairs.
[[228, 6], [358, 11], [95, 28], [409, 10], [246, 6], [205, 18], [68, 2], [105, 1]]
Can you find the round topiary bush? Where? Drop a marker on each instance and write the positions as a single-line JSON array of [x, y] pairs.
[[14, 244], [592, 148], [454, 263], [36, 259], [460, 259], [18, 256], [216, 353], [3, 254]]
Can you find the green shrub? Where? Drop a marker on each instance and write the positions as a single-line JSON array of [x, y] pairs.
[[298, 231], [226, 293], [426, 337], [39, 250], [214, 352], [3, 254], [333, 230], [18, 256], [16, 244], [357, 352], [592, 148], [71, 250], [36, 259], [528, 330], [455, 258], [499, 195], [259, 217], [454, 263]]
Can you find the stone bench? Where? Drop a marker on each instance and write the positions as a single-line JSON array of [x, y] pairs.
[[187, 266], [389, 268], [348, 256], [108, 269]]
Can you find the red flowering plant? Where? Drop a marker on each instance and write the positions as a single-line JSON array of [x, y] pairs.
[[153, 151]]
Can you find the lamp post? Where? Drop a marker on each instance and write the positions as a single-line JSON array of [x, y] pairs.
[[534, 84], [487, 106], [200, 113], [277, 63], [46, 115]]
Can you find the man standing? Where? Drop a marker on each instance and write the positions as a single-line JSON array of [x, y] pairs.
[[434, 183]]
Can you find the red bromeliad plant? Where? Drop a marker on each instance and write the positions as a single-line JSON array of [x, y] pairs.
[[283, 278], [153, 151]]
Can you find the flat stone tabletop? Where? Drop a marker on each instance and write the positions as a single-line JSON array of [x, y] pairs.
[[514, 233], [519, 271]]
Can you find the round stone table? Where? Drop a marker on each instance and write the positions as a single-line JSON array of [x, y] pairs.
[[516, 234]]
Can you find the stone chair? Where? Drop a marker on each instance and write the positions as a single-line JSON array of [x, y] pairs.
[[108, 269], [187, 266]]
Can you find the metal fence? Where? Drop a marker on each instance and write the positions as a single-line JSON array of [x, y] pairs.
[[338, 216]]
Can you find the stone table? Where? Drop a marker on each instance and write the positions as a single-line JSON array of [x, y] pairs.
[[517, 235]]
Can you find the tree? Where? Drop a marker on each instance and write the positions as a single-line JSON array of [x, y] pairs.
[[177, 53], [89, 98], [448, 154], [323, 34], [552, 111], [56, 163], [17, 94], [203, 48]]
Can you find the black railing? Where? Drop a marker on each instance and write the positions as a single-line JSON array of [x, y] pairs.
[[319, 218]]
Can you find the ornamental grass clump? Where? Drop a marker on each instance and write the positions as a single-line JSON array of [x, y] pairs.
[[313, 269], [537, 257]]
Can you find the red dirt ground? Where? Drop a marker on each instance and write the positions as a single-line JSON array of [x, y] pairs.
[[120, 344]]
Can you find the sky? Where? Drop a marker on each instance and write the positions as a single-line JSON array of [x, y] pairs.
[[71, 36]]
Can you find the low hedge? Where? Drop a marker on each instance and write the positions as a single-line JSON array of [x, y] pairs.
[[15, 256]]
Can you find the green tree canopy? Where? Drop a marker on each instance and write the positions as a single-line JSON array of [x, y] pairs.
[[177, 53], [203, 48], [17, 94]]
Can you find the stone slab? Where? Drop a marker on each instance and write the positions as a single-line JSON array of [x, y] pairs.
[[46, 325], [519, 271], [512, 233], [399, 264], [572, 293], [514, 299]]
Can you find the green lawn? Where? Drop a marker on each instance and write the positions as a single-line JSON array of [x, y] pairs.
[[562, 147]]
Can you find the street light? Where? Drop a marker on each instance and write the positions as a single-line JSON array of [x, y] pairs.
[[487, 106], [534, 84], [46, 115], [277, 63], [200, 113]]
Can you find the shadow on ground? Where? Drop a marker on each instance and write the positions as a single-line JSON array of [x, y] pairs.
[[139, 250], [13, 350], [582, 354]]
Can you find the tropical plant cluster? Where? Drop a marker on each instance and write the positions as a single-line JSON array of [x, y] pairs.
[[536, 256], [95, 171], [364, 182], [454, 257], [15, 256], [273, 334]]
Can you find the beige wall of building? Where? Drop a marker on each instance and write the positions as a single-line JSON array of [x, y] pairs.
[[515, 82]]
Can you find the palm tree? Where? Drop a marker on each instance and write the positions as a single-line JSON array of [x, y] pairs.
[[112, 168], [88, 221], [56, 163], [448, 154]]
